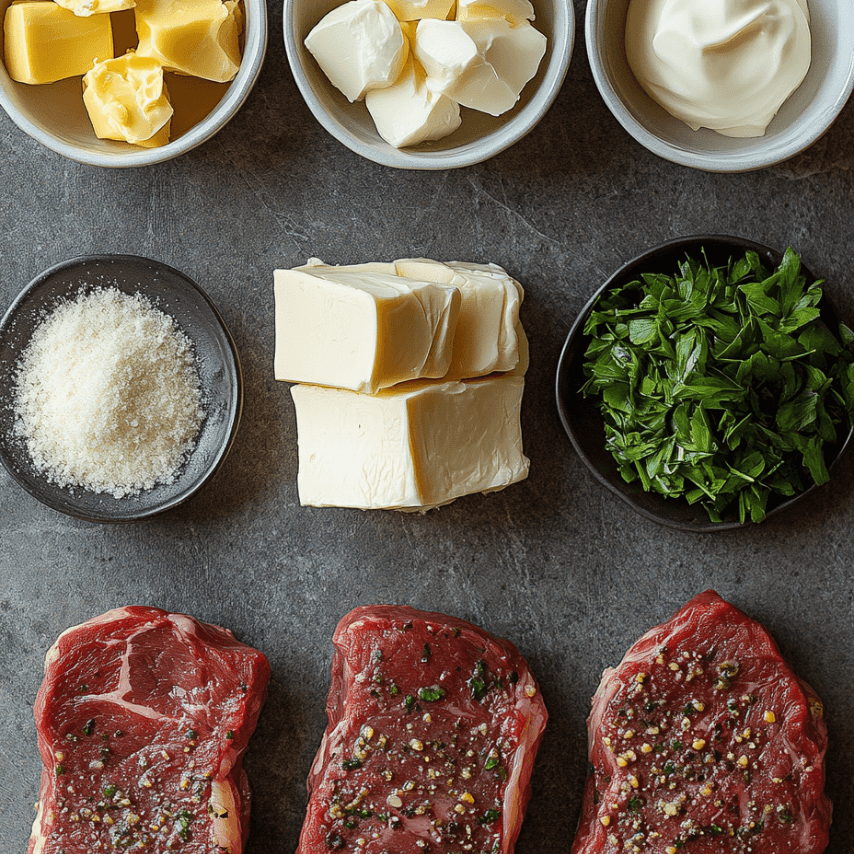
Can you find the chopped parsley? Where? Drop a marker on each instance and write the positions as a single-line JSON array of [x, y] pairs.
[[720, 385], [432, 694]]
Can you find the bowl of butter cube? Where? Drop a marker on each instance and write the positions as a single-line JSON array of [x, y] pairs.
[[128, 82], [429, 84]]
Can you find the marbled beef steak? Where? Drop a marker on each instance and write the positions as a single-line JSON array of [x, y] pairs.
[[703, 741], [143, 718], [433, 728]]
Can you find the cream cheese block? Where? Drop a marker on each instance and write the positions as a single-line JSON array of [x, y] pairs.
[[480, 63], [359, 46], [486, 339], [413, 447], [409, 112], [361, 329]]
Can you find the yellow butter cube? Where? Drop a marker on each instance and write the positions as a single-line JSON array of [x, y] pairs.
[[199, 38], [45, 43], [127, 99], [85, 8], [415, 10]]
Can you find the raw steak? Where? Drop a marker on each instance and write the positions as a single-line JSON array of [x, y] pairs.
[[143, 718], [433, 728], [704, 741]]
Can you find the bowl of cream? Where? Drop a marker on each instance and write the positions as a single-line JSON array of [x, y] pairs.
[[726, 85]]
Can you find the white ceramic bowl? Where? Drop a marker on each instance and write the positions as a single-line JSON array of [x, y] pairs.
[[480, 137], [802, 119], [54, 114]]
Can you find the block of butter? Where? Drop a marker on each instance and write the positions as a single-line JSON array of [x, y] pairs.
[[85, 8], [415, 10], [359, 46], [486, 339], [198, 38], [45, 43], [413, 447], [127, 99], [515, 11], [361, 329]]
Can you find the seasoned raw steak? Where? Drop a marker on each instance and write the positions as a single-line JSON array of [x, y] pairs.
[[143, 718], [433, 728], [703, 741]]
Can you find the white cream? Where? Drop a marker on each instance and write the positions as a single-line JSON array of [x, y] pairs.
[[727, 65]]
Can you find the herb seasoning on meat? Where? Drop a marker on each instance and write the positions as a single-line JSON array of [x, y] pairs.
[[416, 758], [149, 756], [704, 741]]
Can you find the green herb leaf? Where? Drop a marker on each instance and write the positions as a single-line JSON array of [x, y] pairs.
[[431, 694]]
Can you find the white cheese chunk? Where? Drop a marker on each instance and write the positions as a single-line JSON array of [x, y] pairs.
[[361, 330], [408, 112], [413, 447], [359, 46], [515, 11], [486, 339], [514, 52], [482, 64], [415, 10]]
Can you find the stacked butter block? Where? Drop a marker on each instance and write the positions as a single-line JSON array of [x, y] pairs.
[[409, 380]]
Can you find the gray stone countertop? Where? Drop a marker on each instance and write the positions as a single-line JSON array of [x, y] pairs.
[[556, 563]]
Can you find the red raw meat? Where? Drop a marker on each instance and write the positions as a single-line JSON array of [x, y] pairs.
[[142, 719], [433, 729], [703, 741]]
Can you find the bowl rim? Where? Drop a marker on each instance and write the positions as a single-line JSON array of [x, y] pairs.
[[235, 404], [460, 156], [254, 51], [570, 348], [720, 162]]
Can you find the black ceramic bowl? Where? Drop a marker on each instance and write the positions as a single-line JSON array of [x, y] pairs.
[[216, 358], [581, 417]]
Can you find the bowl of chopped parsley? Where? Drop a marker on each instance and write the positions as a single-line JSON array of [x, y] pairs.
[[709, 383]]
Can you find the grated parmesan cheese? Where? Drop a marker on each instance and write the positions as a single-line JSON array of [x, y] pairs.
[[107, 394]]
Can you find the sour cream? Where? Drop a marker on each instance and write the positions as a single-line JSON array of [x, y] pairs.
[[727, 65]]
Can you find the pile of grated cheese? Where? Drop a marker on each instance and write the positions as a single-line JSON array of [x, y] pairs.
[[107, 394]]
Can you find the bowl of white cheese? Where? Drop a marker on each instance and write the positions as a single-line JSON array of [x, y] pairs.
[[429, 84], [723, 86]]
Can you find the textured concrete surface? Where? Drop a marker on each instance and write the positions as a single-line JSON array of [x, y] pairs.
[[558, 565]]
